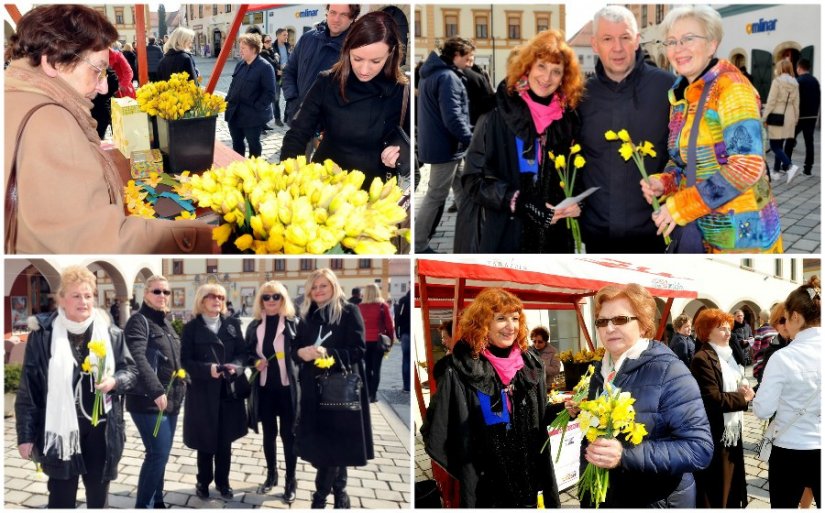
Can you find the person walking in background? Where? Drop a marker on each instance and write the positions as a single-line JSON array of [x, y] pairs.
[[154, 54], [155, 347], [783, 99], [377, 322], [177, 56], [355, 298], [249, 100], [269, 340], [131, 58], [56, 397], [540, 337], [330, 440], [443, 131], [316, 51], [742, 338], [791, 393], [682, 344], [213, 353], [809, 100], [402, 330], [762, 338], [625, 92], [778, 322], [282, 50]]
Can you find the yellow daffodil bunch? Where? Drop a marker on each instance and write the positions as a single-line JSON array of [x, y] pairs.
[[295, 207], [608, 416], [98, 348], [566, 356], [567, 179], [562, 419], [325, 362], [637, 152], [178, 98], [179, 374]]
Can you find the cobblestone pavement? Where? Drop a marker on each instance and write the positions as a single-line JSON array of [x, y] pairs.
[[384, 483], [799, 207], [756, 471]]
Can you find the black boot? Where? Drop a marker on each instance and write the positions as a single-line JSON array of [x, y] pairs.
[[202, 490], [318, 501], [341, 500], [271, 480], [289, 490]]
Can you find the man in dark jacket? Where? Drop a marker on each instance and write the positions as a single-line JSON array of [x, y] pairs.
[[282, 51], [154, 54], [402, 331], [809, 98], [443, 130], [316, 51], [480, 92], [681, 344], [741, 337], [625, 93]]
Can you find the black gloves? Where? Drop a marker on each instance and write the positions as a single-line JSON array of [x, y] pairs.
[[533, 210]]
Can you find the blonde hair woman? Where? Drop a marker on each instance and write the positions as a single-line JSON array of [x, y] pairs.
[[53, 386], [269, 340], [177, 55], [213, 353], [330, 440], [377, 322]]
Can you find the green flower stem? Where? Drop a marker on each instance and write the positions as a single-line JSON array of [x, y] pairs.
[[656, 207], [255, 372], [160, 412]]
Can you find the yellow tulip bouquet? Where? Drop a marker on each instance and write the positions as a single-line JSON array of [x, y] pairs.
[[608, 416], [295, 207], [567, 179], [178, 98], [637, 152], [562, 419]]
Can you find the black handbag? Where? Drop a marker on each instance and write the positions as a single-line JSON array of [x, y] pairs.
[[398, 137], [775, 119], [339, 391], [237, 385]]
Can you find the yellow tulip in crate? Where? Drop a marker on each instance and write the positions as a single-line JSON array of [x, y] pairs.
[[186, 119], [130, 126], [295, 207]]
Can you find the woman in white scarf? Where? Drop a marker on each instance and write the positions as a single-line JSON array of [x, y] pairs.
[[725, 393], [56, 426]]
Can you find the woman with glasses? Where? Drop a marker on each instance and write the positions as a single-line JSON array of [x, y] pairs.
[[269, 339], [155, 346], [714, 190], [791, 395], [330, 440], [213, 353], [69, 191], [726, 394], [668, 403], [487, 422], [61, 376]]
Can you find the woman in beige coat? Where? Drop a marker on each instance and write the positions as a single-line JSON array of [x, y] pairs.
[[783, 99], [69, 192]]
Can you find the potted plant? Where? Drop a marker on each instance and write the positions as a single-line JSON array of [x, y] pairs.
[[12, 373]]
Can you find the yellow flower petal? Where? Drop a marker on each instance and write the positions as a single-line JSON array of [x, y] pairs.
[[623, 135], [610, 135]]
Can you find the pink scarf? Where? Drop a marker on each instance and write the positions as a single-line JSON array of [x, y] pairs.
[[506, 368], [543, 115], [279, 348]]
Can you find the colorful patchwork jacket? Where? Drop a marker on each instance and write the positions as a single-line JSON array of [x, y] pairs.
[[731, 201]]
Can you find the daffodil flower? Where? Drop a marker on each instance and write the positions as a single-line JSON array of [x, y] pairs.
[[324, 362], [179, 374]]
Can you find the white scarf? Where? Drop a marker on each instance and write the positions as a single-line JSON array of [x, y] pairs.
[[213, 323], [732, 373], [62, 432]]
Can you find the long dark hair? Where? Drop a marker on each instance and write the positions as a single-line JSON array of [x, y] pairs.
[[373, 27], [61, 33]]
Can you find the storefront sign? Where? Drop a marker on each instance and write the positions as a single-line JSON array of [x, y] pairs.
[[761, 26], [307, 13]]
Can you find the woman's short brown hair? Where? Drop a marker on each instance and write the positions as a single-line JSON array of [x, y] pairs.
[[708, 320], [253, 41], [62, 33], [642, 303], [475, 320], [549, 46]]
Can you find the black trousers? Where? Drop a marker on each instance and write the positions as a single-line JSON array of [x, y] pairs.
[[63, 492], [332, 479], [790, 472], [807, 127], [252, 135], [372, 360], [275, 401]]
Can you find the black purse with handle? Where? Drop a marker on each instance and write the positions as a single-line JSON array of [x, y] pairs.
[[339, 391]]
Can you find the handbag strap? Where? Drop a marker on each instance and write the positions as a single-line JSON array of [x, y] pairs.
[[11, 186], [798, 416], [404, 102], [788, 99], [690, 170]]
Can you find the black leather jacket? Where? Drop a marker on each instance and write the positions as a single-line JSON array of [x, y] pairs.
[[30, 408]]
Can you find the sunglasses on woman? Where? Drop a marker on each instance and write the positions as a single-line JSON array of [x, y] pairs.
[[214, 296], [271, 297], [158, 292], [619, 320]]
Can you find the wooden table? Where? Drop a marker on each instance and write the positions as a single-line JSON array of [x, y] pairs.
[[223, 156]]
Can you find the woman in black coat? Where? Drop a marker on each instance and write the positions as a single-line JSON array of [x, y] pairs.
[[131, 58], [269, 340], [177, 55], [249, 100], [511, 183], [54, 382], [155, 346], [213, 353], [330, 440], [357, 104]]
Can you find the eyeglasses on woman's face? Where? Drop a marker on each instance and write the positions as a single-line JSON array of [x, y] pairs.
[[270, 297], [101, 72], [213, 297], [688, 41], [619, 320]]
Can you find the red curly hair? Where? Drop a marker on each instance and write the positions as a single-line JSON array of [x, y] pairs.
[[474, 325], [708, 320], [549, 46]]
